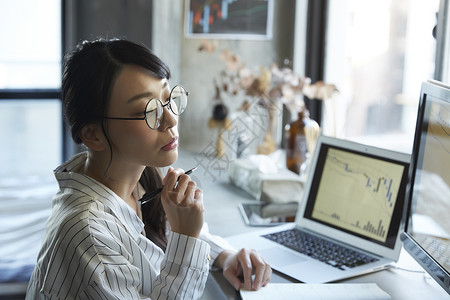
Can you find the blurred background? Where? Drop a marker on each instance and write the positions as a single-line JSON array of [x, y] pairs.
[[375, 52]]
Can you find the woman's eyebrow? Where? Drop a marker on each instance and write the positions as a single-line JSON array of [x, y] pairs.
[[140, 96], [146, 94]]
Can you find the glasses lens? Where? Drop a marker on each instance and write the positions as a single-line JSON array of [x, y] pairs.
[[178, 98], [154, 112]]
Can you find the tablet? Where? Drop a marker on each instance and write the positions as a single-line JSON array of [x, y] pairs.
[[268, 214]]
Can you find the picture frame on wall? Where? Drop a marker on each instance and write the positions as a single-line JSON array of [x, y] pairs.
[[229, 19]]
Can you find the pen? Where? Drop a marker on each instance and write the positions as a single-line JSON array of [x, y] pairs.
[[148, 196]]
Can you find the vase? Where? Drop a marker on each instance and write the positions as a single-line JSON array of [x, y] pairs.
[[272, 135]]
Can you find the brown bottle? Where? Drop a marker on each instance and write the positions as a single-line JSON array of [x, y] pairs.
[[295, 142]]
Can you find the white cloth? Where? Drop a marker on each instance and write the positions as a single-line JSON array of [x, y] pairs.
[[25, 205], [94, 249]]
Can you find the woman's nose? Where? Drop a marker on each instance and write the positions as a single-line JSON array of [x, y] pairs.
[[169, 119]]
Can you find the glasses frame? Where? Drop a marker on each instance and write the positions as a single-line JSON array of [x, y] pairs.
[[169, 99]]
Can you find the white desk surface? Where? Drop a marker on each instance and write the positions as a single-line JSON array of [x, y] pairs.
[[221, 201]]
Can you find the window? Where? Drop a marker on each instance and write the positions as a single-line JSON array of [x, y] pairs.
[[30, 131], [30, 56], [378, 52], [30, 72]]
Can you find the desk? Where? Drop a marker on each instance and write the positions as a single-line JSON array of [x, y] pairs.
[[221, 201]]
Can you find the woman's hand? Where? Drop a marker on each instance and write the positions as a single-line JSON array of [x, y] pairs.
[[245, 263], [183, 203]]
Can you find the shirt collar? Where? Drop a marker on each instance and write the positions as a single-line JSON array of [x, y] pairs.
[[67, 178]]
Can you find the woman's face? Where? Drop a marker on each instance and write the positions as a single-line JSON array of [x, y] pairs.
[[132, 140]]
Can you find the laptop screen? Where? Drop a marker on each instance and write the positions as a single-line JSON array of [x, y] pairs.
[[359, 193]]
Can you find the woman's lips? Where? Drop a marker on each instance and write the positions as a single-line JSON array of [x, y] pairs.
[[171, 145]]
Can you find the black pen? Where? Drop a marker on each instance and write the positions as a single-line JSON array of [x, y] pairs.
[[148, 196]]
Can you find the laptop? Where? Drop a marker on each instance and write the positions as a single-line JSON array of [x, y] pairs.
[[349, 221]]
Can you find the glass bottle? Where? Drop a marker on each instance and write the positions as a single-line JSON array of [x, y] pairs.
[[295, 142]]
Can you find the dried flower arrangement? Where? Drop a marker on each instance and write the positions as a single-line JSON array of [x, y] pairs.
[[269, 85], [281, 84]]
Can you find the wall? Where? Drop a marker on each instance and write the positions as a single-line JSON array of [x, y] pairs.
[[91, 19], [196, 70]]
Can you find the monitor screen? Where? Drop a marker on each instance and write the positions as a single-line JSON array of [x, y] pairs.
[[427, 236]]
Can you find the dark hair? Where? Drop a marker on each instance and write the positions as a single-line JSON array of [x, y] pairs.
[[88, 76], [89, 73]]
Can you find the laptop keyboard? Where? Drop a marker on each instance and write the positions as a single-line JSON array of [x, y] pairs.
[[335, 255]]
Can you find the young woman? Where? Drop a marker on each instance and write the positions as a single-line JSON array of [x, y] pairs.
[[101, 243]]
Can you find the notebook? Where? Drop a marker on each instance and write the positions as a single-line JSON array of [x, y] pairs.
[[350, 218], [332, 291]]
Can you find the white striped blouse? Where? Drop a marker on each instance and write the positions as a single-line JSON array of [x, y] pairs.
[[94, 249]]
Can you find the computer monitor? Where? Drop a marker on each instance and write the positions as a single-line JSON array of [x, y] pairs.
[[427, 215]]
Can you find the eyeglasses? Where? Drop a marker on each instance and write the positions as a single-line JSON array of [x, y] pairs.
[[154, 110]]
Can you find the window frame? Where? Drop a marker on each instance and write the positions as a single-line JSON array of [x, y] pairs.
[[315, 51], [442, 59]]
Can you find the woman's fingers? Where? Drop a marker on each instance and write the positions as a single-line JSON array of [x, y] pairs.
[[180, 188], [170, 180], [259, 269], [184, 187], [247, 270], [248, 263], [262, 270], [183, 203], [267, 274]]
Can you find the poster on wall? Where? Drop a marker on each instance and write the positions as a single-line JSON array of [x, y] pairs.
[[229, 19]]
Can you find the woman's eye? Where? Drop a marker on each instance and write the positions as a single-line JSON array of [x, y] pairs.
[[140, 113]]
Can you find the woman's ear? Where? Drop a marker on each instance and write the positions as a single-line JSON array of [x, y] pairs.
[[93, 137]]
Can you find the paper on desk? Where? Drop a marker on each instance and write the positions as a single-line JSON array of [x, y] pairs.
[[298, 291]]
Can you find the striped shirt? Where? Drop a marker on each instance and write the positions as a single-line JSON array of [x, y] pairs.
[[94, 249]]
